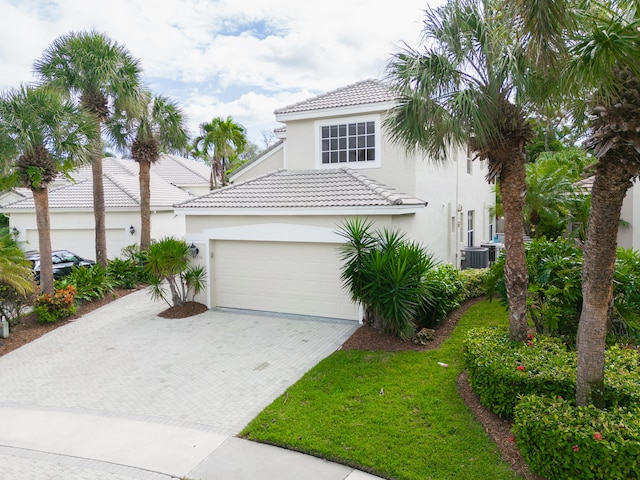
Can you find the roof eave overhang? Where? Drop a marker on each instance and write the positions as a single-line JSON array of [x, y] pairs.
[[339, 211], [336, 112]]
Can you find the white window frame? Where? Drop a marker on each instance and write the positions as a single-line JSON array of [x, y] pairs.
[[318, 124], [471, 224]]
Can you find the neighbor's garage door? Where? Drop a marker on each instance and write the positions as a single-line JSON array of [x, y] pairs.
[[299, 278], [81, 241]]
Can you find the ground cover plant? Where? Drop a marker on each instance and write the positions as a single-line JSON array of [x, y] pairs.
[[397, 414]]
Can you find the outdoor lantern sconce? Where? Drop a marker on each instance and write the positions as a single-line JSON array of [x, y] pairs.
[[15, 231], [193, 250], [132, 230]]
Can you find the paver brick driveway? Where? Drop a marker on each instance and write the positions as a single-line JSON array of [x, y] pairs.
[[212, 372]]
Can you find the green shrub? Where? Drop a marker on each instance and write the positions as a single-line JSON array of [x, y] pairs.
[[124, 273], [554, 299], [12, 303], [90, 282], [500, 370], [445, 285], [168, 262], [473, 283], [385, 273], [561, 441], [51, 308], [626, 295]]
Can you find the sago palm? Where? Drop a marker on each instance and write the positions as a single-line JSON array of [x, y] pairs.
[[471, 85], [44, 134], [103, 77], [160, 127]]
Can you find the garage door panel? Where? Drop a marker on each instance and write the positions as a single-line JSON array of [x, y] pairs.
[[281, 277]]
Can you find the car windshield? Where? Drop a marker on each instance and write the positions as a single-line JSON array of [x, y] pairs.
[[67, 257]]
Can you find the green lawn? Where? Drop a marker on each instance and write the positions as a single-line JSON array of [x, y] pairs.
[[396, 415]]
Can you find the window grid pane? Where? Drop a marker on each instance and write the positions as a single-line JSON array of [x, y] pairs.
[[351, 142]]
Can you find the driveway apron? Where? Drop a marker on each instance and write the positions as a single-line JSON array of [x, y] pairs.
[[122, 393]]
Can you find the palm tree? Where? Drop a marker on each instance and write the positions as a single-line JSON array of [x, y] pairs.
[[222, 139], [104, 78], [469, 86], [553, 199], [15, 270], [44, 134], [160, 127], [605, 64]]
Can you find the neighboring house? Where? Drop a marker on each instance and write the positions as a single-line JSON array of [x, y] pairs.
[[628, 236], [269, 240], [173, 180]]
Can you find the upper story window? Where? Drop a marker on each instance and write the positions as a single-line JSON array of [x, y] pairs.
[[353, 143]]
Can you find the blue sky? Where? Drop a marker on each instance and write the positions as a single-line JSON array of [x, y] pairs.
[[243, 58]]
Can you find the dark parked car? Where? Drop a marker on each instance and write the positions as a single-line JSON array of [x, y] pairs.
[[63, 262]]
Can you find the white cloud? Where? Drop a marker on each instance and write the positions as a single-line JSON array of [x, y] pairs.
[[301, 49]]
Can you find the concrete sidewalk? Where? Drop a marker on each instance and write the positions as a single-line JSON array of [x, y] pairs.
[[123, 394]]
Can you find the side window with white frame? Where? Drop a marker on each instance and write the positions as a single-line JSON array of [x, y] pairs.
[[352, 142], [470, 227]]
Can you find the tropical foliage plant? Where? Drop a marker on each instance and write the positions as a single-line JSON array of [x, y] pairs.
[[386, 274], [555, 297], [51, 308], [90, 283], [169, 262]]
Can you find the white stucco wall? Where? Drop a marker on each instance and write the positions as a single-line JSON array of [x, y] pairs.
[[272, 161], [75, 230], [447, 187]]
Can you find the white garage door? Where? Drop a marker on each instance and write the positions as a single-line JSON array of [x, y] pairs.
[[80, 241], [299, 278]]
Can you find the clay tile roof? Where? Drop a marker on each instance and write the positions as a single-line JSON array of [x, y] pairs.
[[360, 93], [120, 191], [328, 188]]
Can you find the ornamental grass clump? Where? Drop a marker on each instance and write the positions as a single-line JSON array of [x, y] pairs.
[[561, 441]]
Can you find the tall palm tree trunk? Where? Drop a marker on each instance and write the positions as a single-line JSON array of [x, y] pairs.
[[512, 188], [98, 199], [99, 212], [41, 201], [145, 204], [613, 179]]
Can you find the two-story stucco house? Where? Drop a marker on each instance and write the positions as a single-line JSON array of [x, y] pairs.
[[269, 240]]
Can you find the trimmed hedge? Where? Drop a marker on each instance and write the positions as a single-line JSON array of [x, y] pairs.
[[500, 370], [473, 283], [561, 441]]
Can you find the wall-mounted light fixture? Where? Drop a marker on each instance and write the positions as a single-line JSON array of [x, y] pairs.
[[132, 230], [15, 231], [193, 250]]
